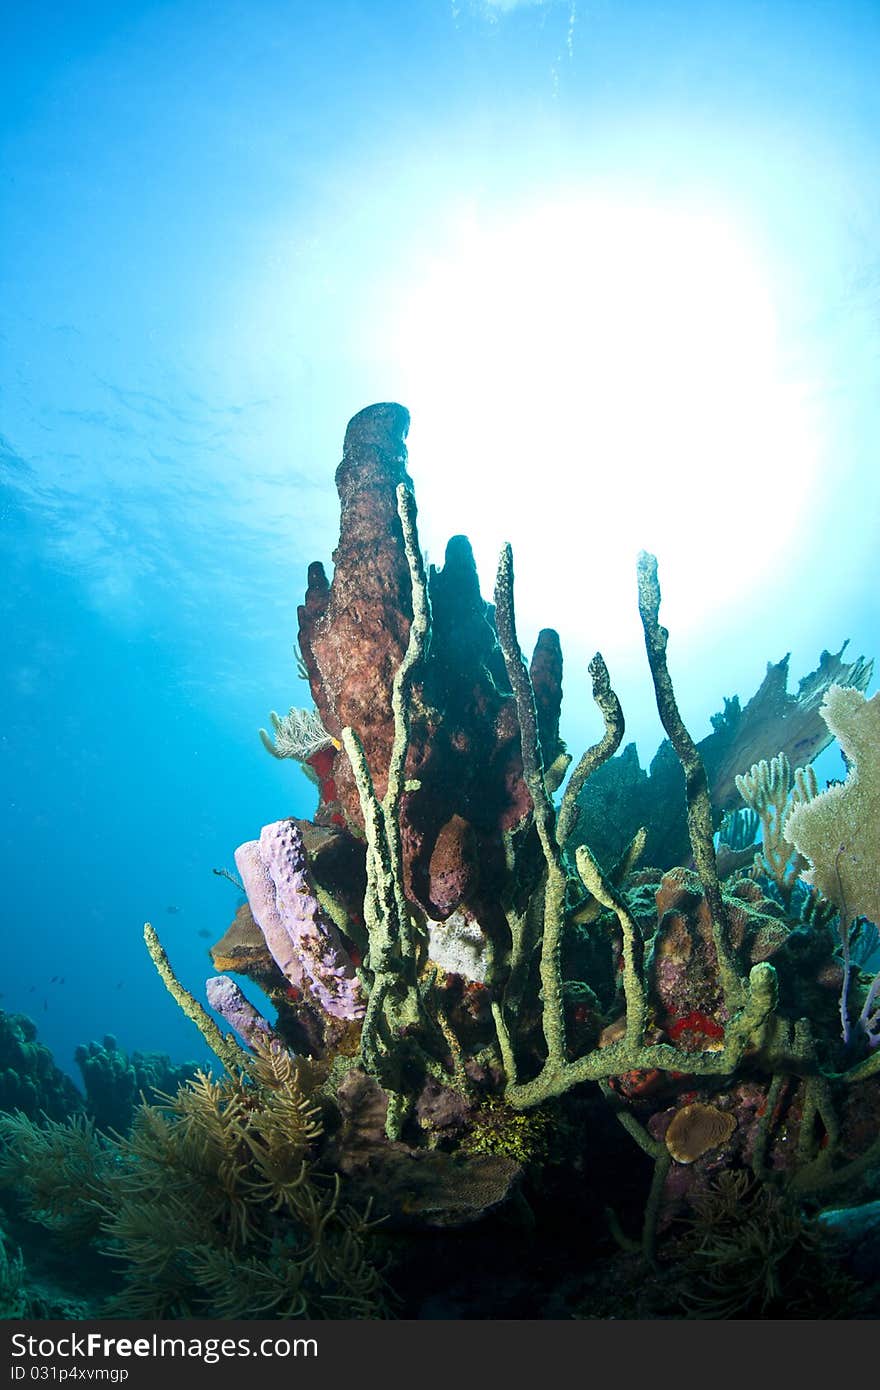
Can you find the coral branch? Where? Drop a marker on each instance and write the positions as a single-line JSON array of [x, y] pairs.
[[233, 1057], [699, 806], [518, 675], [555, 887], [394, 1003], [609, 707], [636, 1004]]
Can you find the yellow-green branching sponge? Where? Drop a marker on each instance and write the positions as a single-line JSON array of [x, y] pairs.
[[839, 830]]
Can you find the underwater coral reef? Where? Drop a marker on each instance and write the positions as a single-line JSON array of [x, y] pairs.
[[517, 1000]]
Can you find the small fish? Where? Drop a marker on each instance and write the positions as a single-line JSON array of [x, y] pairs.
[[53, 979], [172, 910], [61, 981], [32, 989], [119, 986], [203, 932]]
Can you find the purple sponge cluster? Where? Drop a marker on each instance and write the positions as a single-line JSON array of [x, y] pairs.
[[301, 938], [227, 999]]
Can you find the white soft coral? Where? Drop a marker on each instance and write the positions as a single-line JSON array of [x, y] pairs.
[[839, 830]]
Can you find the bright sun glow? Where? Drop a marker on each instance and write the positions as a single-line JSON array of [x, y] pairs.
[[592, 378]]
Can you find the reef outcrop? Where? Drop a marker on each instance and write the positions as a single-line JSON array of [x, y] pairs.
[[489, 996], [462, 938]]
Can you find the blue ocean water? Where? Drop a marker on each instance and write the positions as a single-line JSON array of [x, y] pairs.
[[215, 223]]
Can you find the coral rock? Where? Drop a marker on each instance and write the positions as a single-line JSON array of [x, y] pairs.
[[464, 748], [353, 632], [454, 867], [684, 969], [242, 949]]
